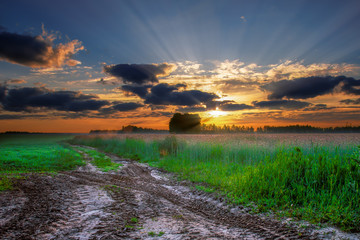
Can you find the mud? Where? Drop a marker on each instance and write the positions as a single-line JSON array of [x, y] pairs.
[[135, 202]]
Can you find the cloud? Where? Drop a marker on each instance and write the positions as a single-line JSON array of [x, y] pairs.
[[2, 92], [303, 88], [285, 70], [160, 114], [16, 81], [351, 86], [281, 104], [21, 116], [318, 107], [331, 117], [291, 70], [229, 69], [218, 105], [103, 81], [37, 51], [235, 107], [236, 86], [123, 107], [188, 68], [139, 73], [212, 105], [234, 82], [83, 105], [26, 99], [350, 101], [165, 94], [192, 109], [140, 91]]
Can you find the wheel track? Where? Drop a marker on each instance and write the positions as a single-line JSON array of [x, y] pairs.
[[65, 207]]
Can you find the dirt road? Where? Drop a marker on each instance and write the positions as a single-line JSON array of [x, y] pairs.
[[137, 202]]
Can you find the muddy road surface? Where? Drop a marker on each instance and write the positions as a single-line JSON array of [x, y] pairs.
[[136, 202]]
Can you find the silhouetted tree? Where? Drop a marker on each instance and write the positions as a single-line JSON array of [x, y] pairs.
[[185, 123]]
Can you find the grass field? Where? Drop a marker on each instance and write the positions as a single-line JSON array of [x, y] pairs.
[[305, 176], [34, 153]]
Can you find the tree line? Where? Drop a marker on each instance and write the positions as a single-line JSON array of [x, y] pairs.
[[307, 129], [130, 129], [191, 123]]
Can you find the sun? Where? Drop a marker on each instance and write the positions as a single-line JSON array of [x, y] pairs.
[[217, 113]]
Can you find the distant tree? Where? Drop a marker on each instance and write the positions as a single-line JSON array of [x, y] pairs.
[[185, 123]]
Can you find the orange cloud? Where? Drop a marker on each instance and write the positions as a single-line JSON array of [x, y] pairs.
[[16, 81], [38, 51]]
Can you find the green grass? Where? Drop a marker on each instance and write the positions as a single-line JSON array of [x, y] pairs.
[[319, 183], [134, 220], [100, 160], [34, 153], [154, 234]]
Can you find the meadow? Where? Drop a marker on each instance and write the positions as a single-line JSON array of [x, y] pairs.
[[29, 153], [314, 177]]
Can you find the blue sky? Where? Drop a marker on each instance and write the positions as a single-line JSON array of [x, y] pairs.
[[299, 36], [158, 31]]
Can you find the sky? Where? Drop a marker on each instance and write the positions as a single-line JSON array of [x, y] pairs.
[[73, 66]]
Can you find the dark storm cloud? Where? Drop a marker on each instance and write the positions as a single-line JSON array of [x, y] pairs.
[[22, 49], [351, 101], [24, 99], [79, 106], [165, 94], [157, 114], [235, 107], [318, 107], [139, 73], [141, 91], [163, 89], [21, 116], [212, 105], [2, 92], [350, 85], [123, 107], [37, 51], [281, 104], [303, 88]]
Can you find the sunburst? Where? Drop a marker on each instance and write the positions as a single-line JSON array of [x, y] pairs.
[[217, 113]]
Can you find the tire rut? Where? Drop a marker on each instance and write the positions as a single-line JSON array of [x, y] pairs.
[[136, 202]]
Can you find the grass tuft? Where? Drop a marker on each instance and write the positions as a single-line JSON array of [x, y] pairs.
[[100, 160]]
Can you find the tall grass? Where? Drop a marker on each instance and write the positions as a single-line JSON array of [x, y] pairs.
[[319, 183]]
